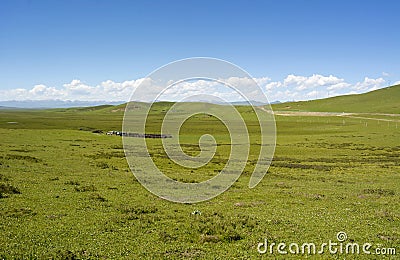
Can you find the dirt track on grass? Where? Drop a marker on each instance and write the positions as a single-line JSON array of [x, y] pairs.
[[350, 115]]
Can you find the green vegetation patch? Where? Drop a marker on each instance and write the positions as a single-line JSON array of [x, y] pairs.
[[70, 194]]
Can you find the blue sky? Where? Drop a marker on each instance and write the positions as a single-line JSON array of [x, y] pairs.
[[56, 43]]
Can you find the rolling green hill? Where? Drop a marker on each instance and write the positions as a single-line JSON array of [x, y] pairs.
[[386, 100]]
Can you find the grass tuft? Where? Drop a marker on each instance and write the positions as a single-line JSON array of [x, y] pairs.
[[85, 188], [6, 188]]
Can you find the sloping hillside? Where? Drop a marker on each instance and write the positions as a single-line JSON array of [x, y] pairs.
[[386, 100]]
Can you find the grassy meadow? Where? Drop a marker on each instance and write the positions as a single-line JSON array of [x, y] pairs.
[[66, 191]]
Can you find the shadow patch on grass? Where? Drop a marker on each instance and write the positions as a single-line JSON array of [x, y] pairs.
[[381, 192], [6, 188], [97, 197], [302, 166], [217, 227], [22, 157], [109, 155], [102, 165], [283, 185], [22, 150], [139, 210], [19, 212], [389, 216], [72, 255], [70, 182], [3, 177], [85, 188]]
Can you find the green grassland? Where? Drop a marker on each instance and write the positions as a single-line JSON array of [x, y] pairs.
[[67, 191]]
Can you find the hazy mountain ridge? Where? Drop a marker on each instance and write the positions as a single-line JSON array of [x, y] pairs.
[[43, 104], [50, 103], [385, 100]]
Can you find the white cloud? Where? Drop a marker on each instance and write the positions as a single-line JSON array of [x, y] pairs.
[[312, 94], [202, 88], [75, 90], [302, 83], [385, 74], [338, 86], [273, 85], [318, 86], [368, 84], [293, 87]]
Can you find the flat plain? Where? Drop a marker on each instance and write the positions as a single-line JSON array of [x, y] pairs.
[[67, 191]]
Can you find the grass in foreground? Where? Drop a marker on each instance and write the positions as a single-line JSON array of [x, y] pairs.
[[68, 193]]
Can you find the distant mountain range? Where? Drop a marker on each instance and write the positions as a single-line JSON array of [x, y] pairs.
[[53, 103], [37, 104], [245, 103], [385, 100]]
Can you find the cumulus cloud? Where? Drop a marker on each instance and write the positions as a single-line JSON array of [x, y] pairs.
[[202, 88], [317, 86], [302, 83], [228, 89], [292, 87], [75, 90], [311, 94], [273, 85], [368, 84], [337, 86], [76, 87]]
